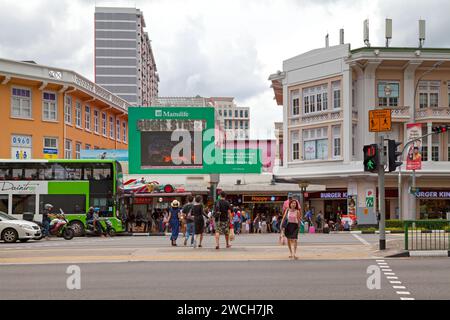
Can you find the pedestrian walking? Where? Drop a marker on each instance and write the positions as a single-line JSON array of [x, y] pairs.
[[189, 218], [290, 224], [174, 221], [222, 214], [275, 224], [237, 220], [199, 220]]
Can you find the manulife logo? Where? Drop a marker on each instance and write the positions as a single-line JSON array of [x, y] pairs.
[[169, 114]]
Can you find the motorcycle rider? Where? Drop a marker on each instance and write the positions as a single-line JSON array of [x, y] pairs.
[[93, 218], [46, 219]]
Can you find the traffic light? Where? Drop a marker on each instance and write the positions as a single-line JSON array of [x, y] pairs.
[[393, 155], [371, 158], [441, 129]]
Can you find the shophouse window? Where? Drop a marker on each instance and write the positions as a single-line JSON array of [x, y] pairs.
[[68, 149], [429, 94], [104, 124], [21, 103], [354, 127], [246, 111], [87, 118], [111, 127], [435, 147], [96, 129], [336, 89], [315, 99], [118, 130], [49, 106], [88, 146], [68, 110], [124, 127], [295, 103], [388, 94], [78, 150], [241, 113], [448, 92], [336, 142], [78, 114], [235, 113], [51, 143], [315, 144], [295, 138]]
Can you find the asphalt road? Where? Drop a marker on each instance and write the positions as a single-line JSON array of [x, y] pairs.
[[182, 276], [421, 278]]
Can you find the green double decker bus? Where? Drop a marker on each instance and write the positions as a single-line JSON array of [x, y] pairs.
[[72, 185]]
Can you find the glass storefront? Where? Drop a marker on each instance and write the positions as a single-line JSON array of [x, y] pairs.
[[434, 208]]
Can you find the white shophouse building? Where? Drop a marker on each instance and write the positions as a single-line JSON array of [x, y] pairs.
[[326, 96]]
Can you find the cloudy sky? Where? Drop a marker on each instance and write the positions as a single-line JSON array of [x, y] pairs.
[[217, 48]]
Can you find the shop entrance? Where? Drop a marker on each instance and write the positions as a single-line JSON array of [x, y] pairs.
[[434, 208], [333, 208]]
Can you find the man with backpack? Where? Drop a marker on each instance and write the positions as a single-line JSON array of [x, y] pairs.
[[223, 217], [189, 218]]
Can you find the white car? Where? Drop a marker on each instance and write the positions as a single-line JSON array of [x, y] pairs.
[[12, 229]]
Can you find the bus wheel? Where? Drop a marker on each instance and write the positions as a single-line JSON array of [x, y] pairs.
[[78, 228], [10, 235]]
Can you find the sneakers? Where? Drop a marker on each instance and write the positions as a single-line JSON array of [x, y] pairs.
[[195, 244], [185, 242]]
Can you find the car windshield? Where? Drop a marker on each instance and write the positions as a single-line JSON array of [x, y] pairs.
[[4, 216]]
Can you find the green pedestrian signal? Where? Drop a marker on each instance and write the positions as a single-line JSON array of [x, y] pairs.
[[370, 158]]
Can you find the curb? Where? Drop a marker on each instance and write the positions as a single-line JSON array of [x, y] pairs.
[[421, 253]]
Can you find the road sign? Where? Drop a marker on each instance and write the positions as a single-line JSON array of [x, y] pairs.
[[380, 120]]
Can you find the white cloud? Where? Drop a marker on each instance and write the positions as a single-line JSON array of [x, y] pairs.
[[212, 47]]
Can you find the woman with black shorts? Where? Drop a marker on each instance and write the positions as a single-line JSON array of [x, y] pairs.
[[290, 224], [199, 222]]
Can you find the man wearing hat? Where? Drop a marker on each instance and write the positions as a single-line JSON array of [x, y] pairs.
[[174, 221]]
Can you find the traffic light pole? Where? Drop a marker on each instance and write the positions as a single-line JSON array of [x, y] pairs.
[[381, 203]]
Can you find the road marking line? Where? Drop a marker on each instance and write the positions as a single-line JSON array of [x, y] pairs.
[[361, 239], [379, 260], [395, 282], [389, 273], [388, 270], [403, 293], [392, 278], [399, 287], [404, 298]]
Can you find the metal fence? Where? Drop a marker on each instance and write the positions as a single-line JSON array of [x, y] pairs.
[[427, 235]]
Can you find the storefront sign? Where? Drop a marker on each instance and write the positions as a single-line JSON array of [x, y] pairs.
[[20, 187], [433, 194], [263, 199], [142, 200], [414, 158], [327, 195]]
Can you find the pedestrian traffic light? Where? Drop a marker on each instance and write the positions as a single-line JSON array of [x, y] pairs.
[[441, 129], [393, 155], [370, 158]]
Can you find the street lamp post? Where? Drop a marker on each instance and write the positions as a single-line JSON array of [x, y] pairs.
[[303, 185]]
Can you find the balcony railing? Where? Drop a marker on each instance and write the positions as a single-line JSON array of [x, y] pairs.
[[433, 113]]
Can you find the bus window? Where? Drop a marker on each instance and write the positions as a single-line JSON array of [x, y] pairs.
[[23, 203], [102, 172], [17, 174], [31, 174], [73, 171], [69, 203], [5, 174], [46, 172], [88, 173], [4, 203], [60, 172]]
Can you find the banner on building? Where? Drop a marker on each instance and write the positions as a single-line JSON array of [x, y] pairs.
[[414, 158]]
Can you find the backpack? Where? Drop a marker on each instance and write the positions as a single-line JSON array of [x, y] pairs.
[[221, 210]]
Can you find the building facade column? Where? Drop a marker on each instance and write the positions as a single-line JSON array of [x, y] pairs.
[[347, 109], [286, 136]]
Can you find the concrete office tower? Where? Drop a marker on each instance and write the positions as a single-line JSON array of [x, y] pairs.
[[124, 61]]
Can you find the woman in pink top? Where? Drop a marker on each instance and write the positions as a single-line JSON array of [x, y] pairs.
[[293, 216]]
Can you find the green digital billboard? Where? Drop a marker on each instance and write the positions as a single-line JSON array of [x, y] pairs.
[[181, 140]]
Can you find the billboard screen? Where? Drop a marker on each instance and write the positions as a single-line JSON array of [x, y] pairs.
[[171, 140]]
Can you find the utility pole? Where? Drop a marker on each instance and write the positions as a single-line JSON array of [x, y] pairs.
[[381, 203]]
